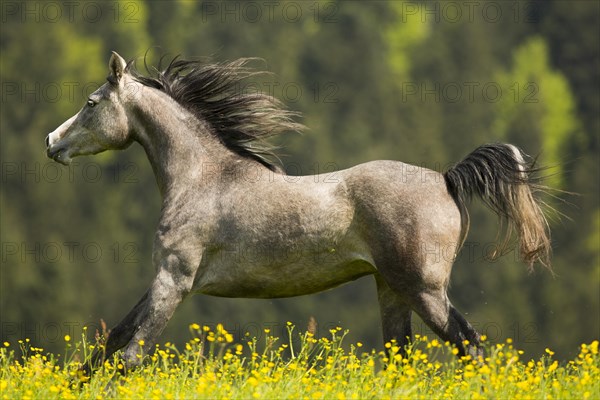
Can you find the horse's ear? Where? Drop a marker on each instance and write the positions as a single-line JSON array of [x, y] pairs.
[[117, 67]]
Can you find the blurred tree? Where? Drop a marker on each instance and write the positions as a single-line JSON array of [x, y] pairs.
[[538, 112], [60, 235], [26, 273], [571, 30]]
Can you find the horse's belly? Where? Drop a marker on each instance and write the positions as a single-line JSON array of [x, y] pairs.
[[279, 274]]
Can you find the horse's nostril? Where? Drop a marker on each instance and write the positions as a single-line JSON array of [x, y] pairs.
[[47, 140]]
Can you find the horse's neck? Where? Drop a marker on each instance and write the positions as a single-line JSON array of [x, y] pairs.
[[176, 143]]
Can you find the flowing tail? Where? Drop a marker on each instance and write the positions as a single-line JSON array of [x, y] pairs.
[[500, 176]]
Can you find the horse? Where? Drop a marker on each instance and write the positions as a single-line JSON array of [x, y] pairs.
[[233, 224]]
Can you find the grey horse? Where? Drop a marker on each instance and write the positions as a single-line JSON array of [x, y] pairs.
[[233, 224]]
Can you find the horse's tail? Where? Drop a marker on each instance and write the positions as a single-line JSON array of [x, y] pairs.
[[500, 176]]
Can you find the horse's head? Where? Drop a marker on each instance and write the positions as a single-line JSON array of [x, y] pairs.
[[101, 124]]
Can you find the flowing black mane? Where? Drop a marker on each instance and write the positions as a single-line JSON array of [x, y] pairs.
[[213, 92]]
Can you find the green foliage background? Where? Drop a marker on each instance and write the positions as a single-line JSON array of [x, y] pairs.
[[410, 81]]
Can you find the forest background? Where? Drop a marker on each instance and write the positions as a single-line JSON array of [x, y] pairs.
[[421, 82]]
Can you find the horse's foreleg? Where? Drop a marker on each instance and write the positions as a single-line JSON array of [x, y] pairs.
[[118, 336], [167, 291], [145, 322]]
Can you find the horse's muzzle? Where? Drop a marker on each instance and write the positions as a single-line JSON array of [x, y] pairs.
[[58, 155]]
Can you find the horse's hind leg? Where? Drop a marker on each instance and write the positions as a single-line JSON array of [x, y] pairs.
[[395, 315], [438, 313]]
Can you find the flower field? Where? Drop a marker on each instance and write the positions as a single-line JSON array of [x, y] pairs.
[[300, 366]]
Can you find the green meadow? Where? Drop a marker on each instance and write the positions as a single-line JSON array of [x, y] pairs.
[[301, 366]]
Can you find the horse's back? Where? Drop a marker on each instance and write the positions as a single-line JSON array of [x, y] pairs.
[[390, 182]]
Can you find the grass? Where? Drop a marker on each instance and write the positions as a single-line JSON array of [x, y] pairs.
[[301, 367]]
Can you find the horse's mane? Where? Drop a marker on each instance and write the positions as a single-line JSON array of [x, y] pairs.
[[213, 92]]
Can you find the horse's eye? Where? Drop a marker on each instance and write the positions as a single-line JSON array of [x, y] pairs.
[[91, 103]]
